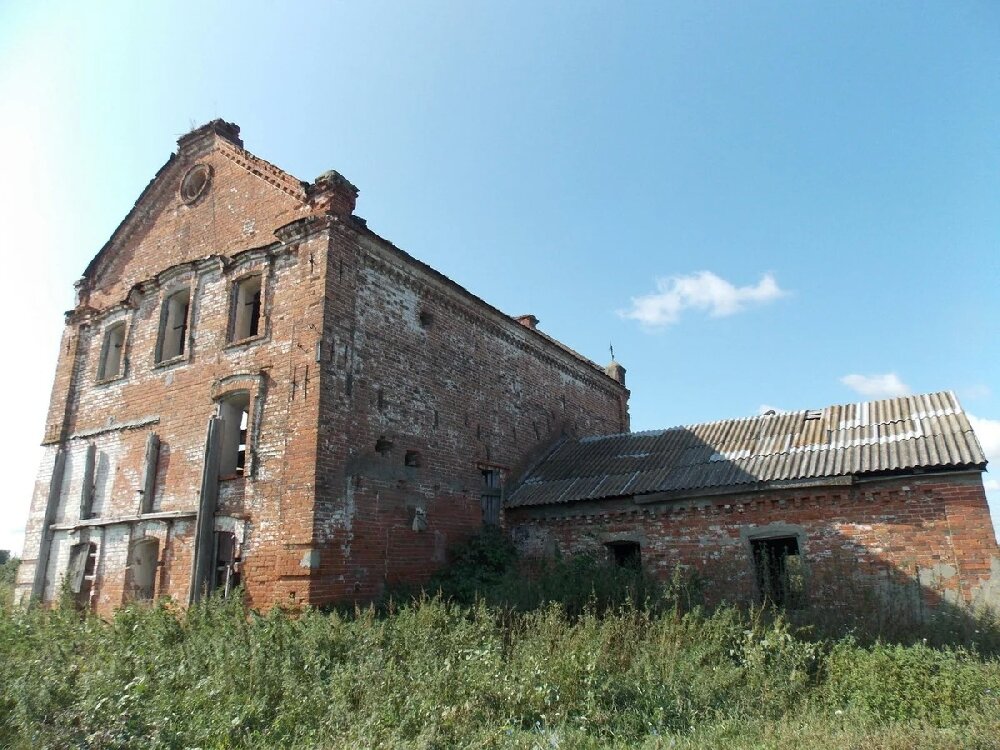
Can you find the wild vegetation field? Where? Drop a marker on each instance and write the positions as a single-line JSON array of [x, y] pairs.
[[587, 669]]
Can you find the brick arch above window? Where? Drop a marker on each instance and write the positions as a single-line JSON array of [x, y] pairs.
[[239, 381], [233, 396]]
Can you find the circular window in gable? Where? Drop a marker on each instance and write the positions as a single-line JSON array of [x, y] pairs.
[[195, 183]]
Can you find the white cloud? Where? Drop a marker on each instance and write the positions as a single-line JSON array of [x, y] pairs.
[[877, 386], [699, 291]]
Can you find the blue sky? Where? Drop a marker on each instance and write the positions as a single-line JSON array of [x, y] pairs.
[[753, 201]]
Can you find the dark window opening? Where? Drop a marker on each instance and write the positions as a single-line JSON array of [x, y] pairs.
[[778, 568], [412, 458], [173, 325], [246, 309], [491, 495], [426, 319], [111, 353], [235, 413], [625, 554], [227, 563], [383, 446]]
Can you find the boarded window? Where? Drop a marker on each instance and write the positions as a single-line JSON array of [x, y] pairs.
[[88, 488], [625, 554], [778, 569], [491, 494], [81, 573], [235, 412], [227, 563], [173, 326], [246, 309], [111, 352], [152, 457], [143, 559]]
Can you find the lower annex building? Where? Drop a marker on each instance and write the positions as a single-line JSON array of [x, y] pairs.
[[255, 389]]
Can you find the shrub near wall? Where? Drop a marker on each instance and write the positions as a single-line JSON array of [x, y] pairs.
[[8, 574]]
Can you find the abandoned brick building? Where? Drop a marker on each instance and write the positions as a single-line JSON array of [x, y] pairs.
[[255, 389], [892, 489]]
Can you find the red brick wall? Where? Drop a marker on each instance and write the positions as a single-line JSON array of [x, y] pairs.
[[172, 247], [934, 528], [343, 360], [465, 386]]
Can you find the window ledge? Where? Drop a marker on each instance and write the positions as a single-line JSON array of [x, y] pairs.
[[248, 341], [234, 478], [165, 363], [110, 380]]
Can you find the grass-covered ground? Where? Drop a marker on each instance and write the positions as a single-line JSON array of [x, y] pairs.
[[435, 674]]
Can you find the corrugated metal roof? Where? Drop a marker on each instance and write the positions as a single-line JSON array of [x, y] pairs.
[[926, 431]]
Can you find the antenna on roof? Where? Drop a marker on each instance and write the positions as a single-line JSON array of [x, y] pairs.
[[612, 348]]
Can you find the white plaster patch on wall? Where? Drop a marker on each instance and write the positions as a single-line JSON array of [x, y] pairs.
[[58, 562]]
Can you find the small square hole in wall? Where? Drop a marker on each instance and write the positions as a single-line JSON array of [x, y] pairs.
[[426, 319], [383, 446], [412, 458], [625, 554]]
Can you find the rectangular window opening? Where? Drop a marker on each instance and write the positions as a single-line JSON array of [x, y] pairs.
[[143, 562], [82, 573], [173, 326], [491, 494], [625, 554], [111, 352], [778, 569], [235, 413], [227, 563], [246, 308]]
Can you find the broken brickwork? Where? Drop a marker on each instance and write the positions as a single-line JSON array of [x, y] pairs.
[[934, 530], [255, 388]]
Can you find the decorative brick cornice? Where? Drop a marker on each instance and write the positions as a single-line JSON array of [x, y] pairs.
[[269, 173], [499, 325]]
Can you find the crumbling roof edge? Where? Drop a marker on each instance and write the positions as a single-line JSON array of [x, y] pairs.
[[476, 299], [149, 192]]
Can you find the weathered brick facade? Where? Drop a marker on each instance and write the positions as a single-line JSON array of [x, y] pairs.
[[379, 396], [254, 387], [931, 529], [881, 497]]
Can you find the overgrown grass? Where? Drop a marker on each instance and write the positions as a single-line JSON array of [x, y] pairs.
[[8, 573], [434, 674], [582, 656]]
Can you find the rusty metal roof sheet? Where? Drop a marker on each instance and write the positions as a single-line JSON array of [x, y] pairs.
[[925, 431]]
